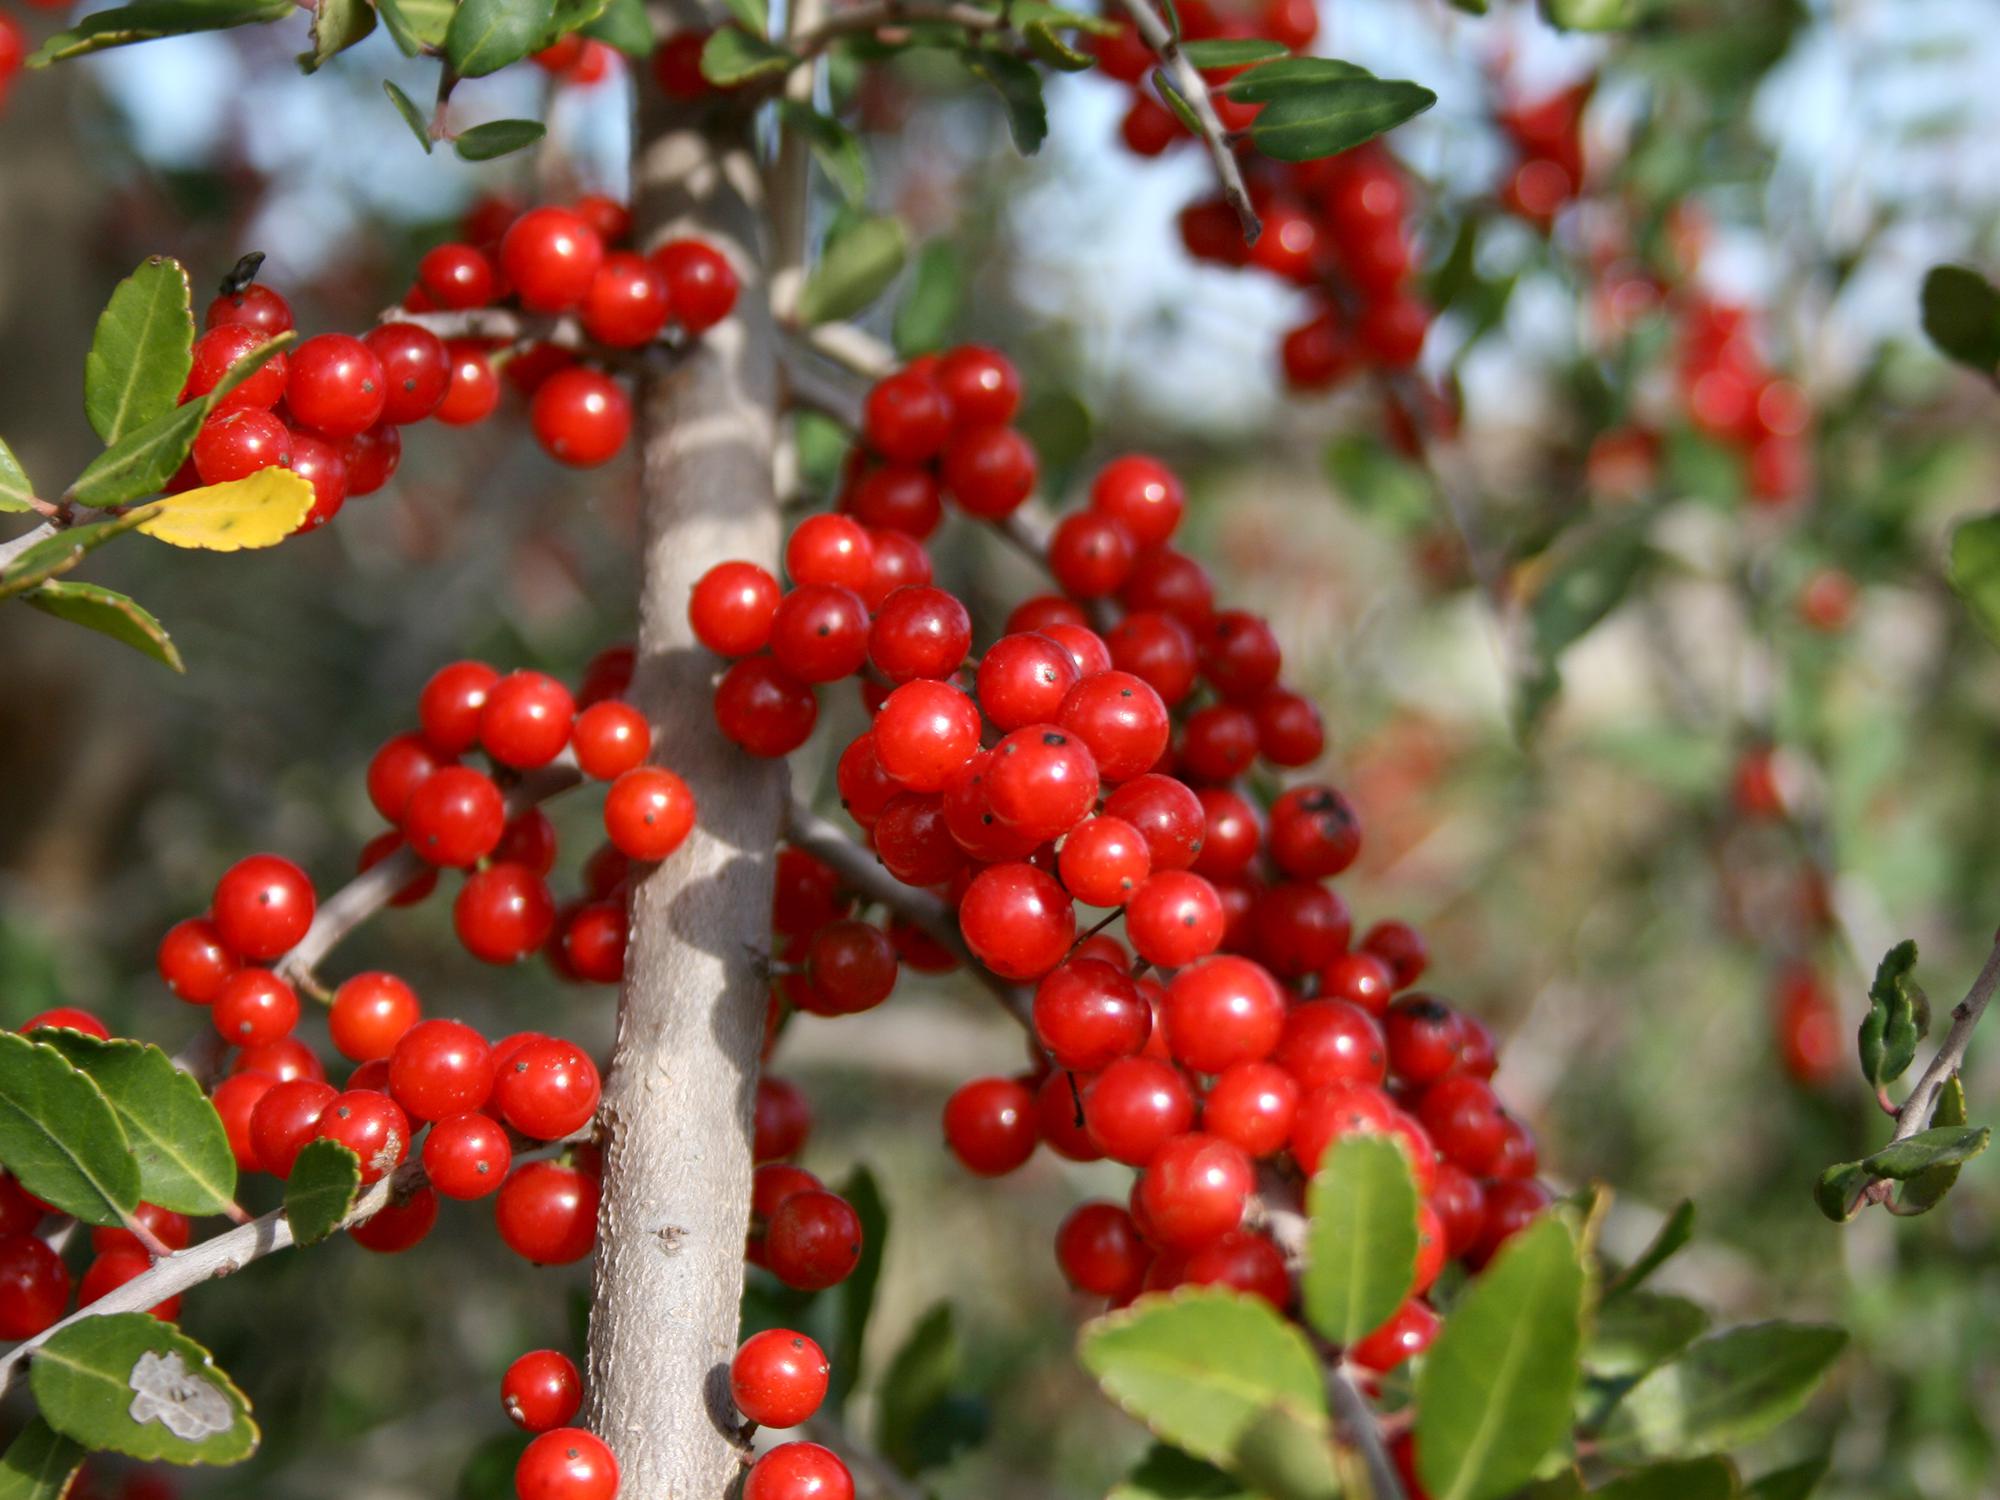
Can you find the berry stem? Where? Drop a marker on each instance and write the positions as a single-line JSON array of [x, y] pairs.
[[1187, 79], [1915, 1111], [1356, 1420]]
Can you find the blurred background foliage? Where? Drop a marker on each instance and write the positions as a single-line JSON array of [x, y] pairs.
[[1591, 883]]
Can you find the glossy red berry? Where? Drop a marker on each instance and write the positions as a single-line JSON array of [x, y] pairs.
[[981, 384], [732, 607], [233, 445], [1465, 1120], [217, 352], [1159, 649], [906, 418], [1123, 721], [1143, 495], [1314, 833], [1424, 1037], [439, 1068], [798, 1471], [1193, 1190], [1134, 1106], [1101, 1252], [235, 1098], [34, 1286], [455, 817], [1406, 1335], [547, 1213], [1017, 920], [503, 913], [370, 1014], [1103, 861], [262, 906], [701, 285], [919, 632], [371, 1125], [626, 305], [989, 1124], [778, 1378], [547, 1089], [335, 385], [566, 1464], [1089, 1013], [610, 738], [581, 417], [1252, 1104], [473, 390], [648, 813], [526, 720], [550, 256], [1174, 918], [990, 470], [541, 1390], [467, 1156], [924, 732], [457, 277], [255, 1006], [813, 1240], [1222, 1012], [1332, 1041], [255, 306], [763, 708], [1401, 947], [820, 632], [849, 967], [782, 1121], [194, 961], [284, 1119]]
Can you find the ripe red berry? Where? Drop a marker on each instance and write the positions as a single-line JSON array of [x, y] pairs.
[[216, 352], [798, 1471], [547, 1089], [503, 913], [1159, 649], [648, 813], [236, 444], [1101, 1252], [813, 1240], [778, 1378], [1252, 1104], [1314, 832], [473, 390], [547, 1213], [1143, 495], [895, 497], [581, 417], [763, 708], [820, 632], [1406, 1335], [1174, 918], [1023, 679], [541, 1390], [924, 732], [1511, 1206], [1219, 743], [981, 384], [467, 1156], [1089, 1013], [1360, 977], [849, 967], [457, 277], [732, 607], [68, 1018], [1017, 920], [566, 1464], [439, 1068], [1298, 927], [1401, 947], [906, 418], [1193, 1190], [989, 1124], [255, 306], [455, 817], [1332, 1041], [397, 769], [526, 720], [194, 961], [550, 256], [626, 305], [1223, 1012], [370, 1014], [255, 1006], [322, 463], [1103, 861], [1123, 721], [610, 738], [283, 1120], [400, 1223], [371, 1125], [919, 632], [335, 385], [990, 470], [235, 1098], [262, 906], [1424, 1039], [1134, 1106], [34, 1286], [1465, 1120], [701, 285]]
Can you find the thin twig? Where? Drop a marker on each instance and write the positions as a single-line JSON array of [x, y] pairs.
[[1357, 1424], [1915, 1112], [1192, 87]]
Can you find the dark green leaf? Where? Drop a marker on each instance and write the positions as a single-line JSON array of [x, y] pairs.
[[626, 26], [183, 1151], [1923, 1191], [412, 116], [752, 15], [1166, 1473], [498, 138], [1796, 1482], [1946, 1146], [734, 56], [857, 1293], [1288, 1455], [1672, 1238], [1232, 52], [1580, 590], [1494, 1394], [320, 1193], [15, 490], [60, 1135], [39, 1464], [1961, 311], [1020, 89], [1725, 1391], [1335, 116], [1361, 1238], [1290, 75], [833, 145], [149, 20], [1591, 15], [337, 25], [109, 613], [54, 555], [417, 26], [573, 15], [1898, 1017], [1696, 1479], [1198, 1366], [937, 290], [860, 259], [920, 1376], [1053, 49], [1837, 1192], [128, 1383], [1638, 1330], [142, 350], [486, 35]]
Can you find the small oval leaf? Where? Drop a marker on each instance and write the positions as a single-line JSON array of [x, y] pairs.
[[1361, 1239], [260, 511], [128, 1383], [861, 258], [1335, 116], [39, 1464], [60, 1135], [498, 138], [141, 353], [185, 1163], [486, 35], [1723, 1392], [109, 613], [320, 1193]]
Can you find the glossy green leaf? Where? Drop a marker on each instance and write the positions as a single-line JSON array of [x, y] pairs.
[[573, 15], [1591, 15], [182, 1149], [625, 26], [1637, 1331], [16, 493], [1794, 1482], [486, 35], [1961, 313], [320, 1193], [1232, 52], [412, 116], [1494, 1394], [141, 353], [149, 20], [836, 148], [1898, 1017], [1924, 1190], [109, 613], [141, 462], [920, 1375], [39, 1464], [60, 1135], [498, 138], [856, 1295], [929, 312], [1723, 1392], [128, 1383], [1288, 1455], [861, 257], [1946, 1146], [1166, 1473], [1334, 116], [57, 554], [1290, 75], [733, 56], [1019, 86], [1361, 1238], [1671, 1239], [1837, 1192], [417, 26], [1974, 570], [1199, 1366], [336, 26], [1695, 1479]]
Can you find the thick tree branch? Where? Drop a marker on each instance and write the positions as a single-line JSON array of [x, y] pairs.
[[1188, 82]]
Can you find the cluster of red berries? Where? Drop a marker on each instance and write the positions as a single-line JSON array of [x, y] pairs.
[[541, 1393], [35, 1282], [578, 60], [778, 1379], [1547, 135]]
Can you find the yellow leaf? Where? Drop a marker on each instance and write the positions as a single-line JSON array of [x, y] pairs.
[[260, 511]]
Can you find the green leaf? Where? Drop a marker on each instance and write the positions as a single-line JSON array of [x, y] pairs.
[[860, 259], [54, 555], [1591, 15], [320, 1193], [1975, 570], [15, 490], [752, 15], [626, 26], [144, 460], [573, 15], [1290, 75], [1584, 586], [486, 35], [734, 56], [1057, 17], [1723, 1392], [1673, 1236], [149, 20], [1199, 1366], [1697, 1479], [142, 351], [185, 1163], [1335, 116], [131, 1384], [417, 25], [1232, 52], [412, 116], [108, 613], [336, 26], [1637, 1331], [1288, 1456], [60, 1135], [919, 1377], [1947, 1146], [857, 1293], [1052, 49], [498, 138], [39, 1464], [937, 290], [1494, 1394], [1898, 1017], [1380, 484], [1961, 312], [1172, 97], [1019, 86], [1361, 1239], [1837, 1192], [836, 148], [1166, 1473], [1923, 1191], [1795, 1482]]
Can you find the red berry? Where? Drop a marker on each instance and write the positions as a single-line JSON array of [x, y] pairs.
[[1314, 832], [581, 417], [924, 732], [547, 1089], [566, 1464], [1424, 1039], [262, 906], [593, 941], [450, 705], [1465, 1120], [1025, 679], [473, 389], [1168, 816], [467, 1156], [989, 1124], [68, 1018], [895, 497], [550, 256], [1017, 920], [1299, 927], [820, 632], [1511, 1206], [1089, 1013], [1041, 781], [626, 305], [906, 418], [284, 1119], [216, 352], [112, 1269], [763, 708], [255, 306], [610, 738], [990, 470], [1360, 977], [732, 606], [1104, 860], [371, 1125], [981, 385], [813, 1240], [398, 769], [1134, 1106], [541, 1390], [1224, 1011], [34, 1286], [1142, 495], [399, 1224], [1332, 1041], [335, 385], [503, 913], [648, 813], [455, 817], [798, 1471], [1158, 648], [850, 967], [194, 961], [457, 277], [284, 1059], [1406, 1335], [547, 1213], [236, 444], [1101, 1252], [370, 1014], [830, 549], [235, 1098], [1174, 919], [778, 1378], [1252, 1104], [255, 1006], [439, 1068], [526, 720], [701, 286], [919, 631], [323, 465], [1193, 1190]]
